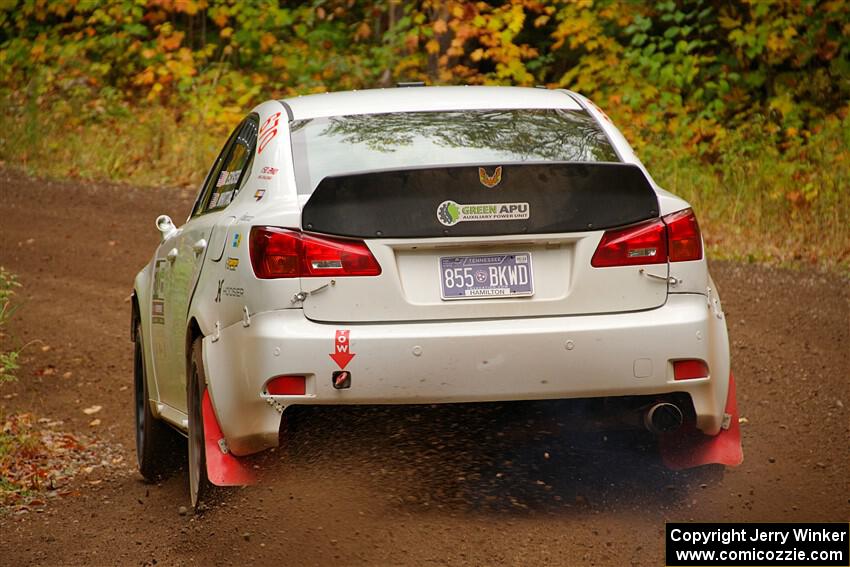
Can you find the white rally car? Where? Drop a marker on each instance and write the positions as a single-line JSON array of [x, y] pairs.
[[425, 245]]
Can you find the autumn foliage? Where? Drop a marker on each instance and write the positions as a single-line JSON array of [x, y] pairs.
[[691, 82]]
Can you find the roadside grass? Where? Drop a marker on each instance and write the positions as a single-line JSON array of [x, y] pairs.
[[756, 201], [8, 359], [758, 204], [37, 459], [151, 146], [14, 443], [17, 445]]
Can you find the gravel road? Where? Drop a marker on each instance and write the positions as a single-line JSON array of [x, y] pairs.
[[449, 485]]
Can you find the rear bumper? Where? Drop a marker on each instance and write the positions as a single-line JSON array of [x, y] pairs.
[[465, 361]]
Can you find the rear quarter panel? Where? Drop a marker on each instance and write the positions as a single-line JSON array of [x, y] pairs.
[[227, 286]]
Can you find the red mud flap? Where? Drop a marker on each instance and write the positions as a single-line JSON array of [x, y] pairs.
[[223, 469], [689, 447]]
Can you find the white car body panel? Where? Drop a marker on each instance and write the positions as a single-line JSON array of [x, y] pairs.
[[616, 318], [436, 98], [467, 361], [408, 289]]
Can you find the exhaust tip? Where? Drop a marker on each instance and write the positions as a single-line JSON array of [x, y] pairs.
[[663, 417]]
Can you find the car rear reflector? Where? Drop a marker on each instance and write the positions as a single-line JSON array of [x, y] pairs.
[[285, 253], [675, 237], [645, 243], [683, 236], [287, 386], [689, 369]]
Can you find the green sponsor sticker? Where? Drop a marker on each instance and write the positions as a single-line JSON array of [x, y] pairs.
[[450, 213]]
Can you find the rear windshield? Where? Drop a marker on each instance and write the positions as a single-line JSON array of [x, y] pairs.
[[345, 145]]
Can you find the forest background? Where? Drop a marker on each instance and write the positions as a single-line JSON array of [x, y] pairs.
[[741, 107]]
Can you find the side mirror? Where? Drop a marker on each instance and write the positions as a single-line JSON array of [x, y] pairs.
[[165, 226]]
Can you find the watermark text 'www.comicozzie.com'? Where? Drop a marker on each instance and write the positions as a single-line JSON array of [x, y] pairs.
[[807, 545]]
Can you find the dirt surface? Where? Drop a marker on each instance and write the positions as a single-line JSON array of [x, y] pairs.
[[459, 485]]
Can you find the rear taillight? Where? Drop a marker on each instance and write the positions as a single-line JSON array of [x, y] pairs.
[[675, 237], [275, 252], [645, 243], [683, 236], [330, 257], [285, 253]]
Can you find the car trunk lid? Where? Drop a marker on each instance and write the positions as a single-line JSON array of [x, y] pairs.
[[482, 242]]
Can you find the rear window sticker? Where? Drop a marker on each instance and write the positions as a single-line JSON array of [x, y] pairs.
[[225, 198]]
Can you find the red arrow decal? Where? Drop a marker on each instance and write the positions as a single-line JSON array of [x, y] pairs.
[[342, 354]]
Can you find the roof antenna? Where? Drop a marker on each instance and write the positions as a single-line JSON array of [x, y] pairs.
[[404, 84]]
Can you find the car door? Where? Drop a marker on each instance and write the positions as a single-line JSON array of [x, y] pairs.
[[181, 257]]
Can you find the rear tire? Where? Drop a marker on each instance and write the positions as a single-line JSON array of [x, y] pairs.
[[199, 484], [156, 443]]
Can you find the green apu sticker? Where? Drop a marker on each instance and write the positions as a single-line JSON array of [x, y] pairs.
[[450, 213]]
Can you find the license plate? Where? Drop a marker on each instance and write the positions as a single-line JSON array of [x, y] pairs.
[[486, 276]]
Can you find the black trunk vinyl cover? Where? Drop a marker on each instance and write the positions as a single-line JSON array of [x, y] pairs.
[[457, 201]]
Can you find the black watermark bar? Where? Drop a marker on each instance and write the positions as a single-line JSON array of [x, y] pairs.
[[758, 545]]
